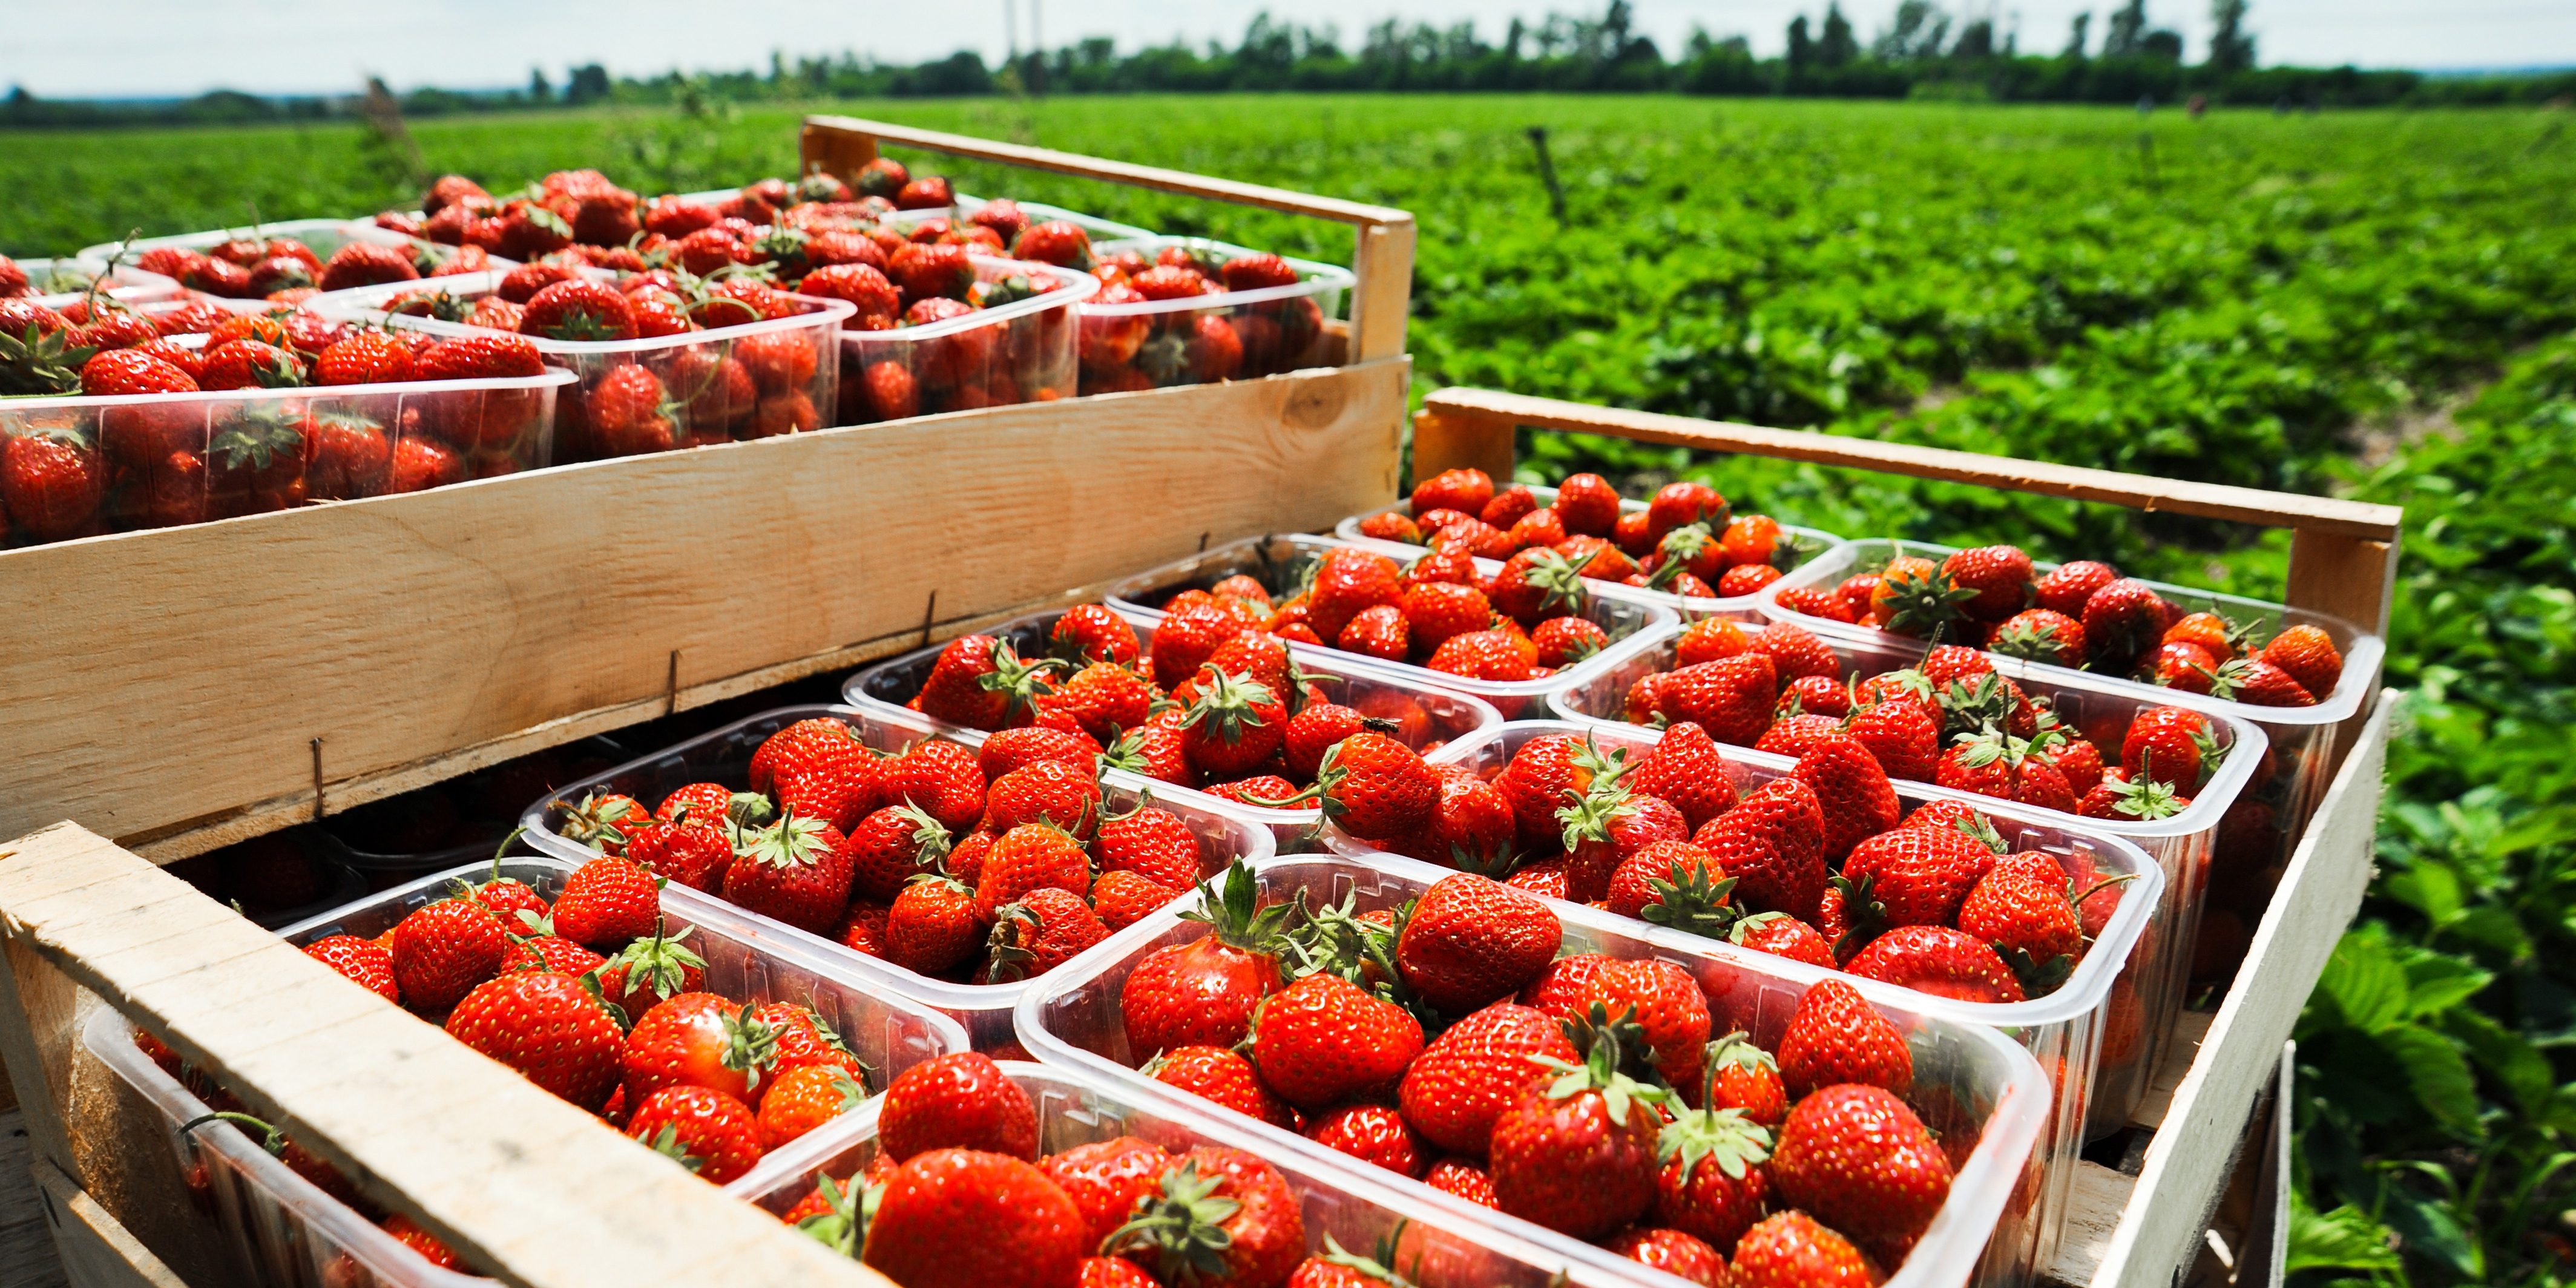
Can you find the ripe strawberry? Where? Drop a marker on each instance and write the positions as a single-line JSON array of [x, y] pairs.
[[980, 682], [1220, 1213], [1465, 490], [2123, 621], [713, 1135], [442, 950], [1914, 876], [2041, 635], [1106, 1179], [651, 971], [1731, 698], [943, 779], [1204, 992], [1856, 1157], [360, 263], [1089, 633], [1904, 737], [2171, 745], [1535, 585], [1377, 632], [955, 1218], [1224, 1077], [1855, 795], [409, 1234], [818, 767], [362, 960], [1577, 1154], [1373, 1134], [1124, 898], [1781, 935], [2026, 914], [1940, 961], [1103, 700], [1046, 791], [1686, 502], [699, 1039], [1042, 930], [2001, 576], [960, 1100], [1151, 843], [552, 953], [1744, 1077], [1471, 940], [796, 869], [693, 854], [2066, 587], [547, 1027], [1375, 786], [931, 926], [1834, 1036], [1188, 636], [2309, 656], [1665, 1003], [1324, 1040], [1791, 1250], [1772, 846], [1914, 596], [805, 1098], [892, 846], [607, 903], [2258, 683], [1686, 769], [779, 361], [1464, 1079], [1032, 856], [1483, 655], [1712, 1185], [1990, 764]]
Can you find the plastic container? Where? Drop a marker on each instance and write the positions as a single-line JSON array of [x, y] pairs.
[[689, 369], [724, 756], [161, 460], [1077, 1107], [1148, 344], [1071, 1018], [323, 237], [1804, 573], [1276, 561], [1099, 229], [1426, 717], [2302, 738], [2105, 1025], [57, 282], [1018, 352], [273, 1227]]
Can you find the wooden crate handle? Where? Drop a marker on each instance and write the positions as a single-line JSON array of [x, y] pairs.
[[525, 1185], [2343, 554], [1382, 258]]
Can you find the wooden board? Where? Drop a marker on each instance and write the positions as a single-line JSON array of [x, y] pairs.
[[528, 1188], [164, 682], [93, 1248]]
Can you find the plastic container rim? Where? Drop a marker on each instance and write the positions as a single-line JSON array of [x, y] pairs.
[[359, 304], [1071, 287], [547, 380], [1318, 278]]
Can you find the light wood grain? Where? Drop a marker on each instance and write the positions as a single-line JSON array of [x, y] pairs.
[[1142, 176], [2319, 892], [2138, 491], [38, 1010], [1382, 260], [1451, 441], [160, 682], [27, 1257], [94, 1249], [527, 1187], [2351, 577]]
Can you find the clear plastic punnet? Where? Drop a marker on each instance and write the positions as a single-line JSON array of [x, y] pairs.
[[164, 460], [1079, 1106], [1137, 343], [57, 282], [1021, 351], [1038, 212], [2302, 738], [1997, 1095], [1425, 717], [1277, 562], [2104, 1026], [752, 380], [724, 756], [1812, 545], [286, 1231], [324, 237]]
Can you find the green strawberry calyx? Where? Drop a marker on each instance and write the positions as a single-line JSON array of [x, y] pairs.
[[1183, 1228], [1723, 1136], [1604, 1042], [849, 1208]]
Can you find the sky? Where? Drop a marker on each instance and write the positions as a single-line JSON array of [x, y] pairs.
[[328, 46]]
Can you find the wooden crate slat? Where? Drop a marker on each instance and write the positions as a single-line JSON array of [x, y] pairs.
[[95, 1248], [173, 680], [537, 1191]]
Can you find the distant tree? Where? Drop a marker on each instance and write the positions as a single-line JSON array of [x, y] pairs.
[[1802, 47], [539, 88], [1976, 41], [1512, 40], [589, 84], [2078, 34], [1837, 45], [2161, 46], [2127, 31], [1920, 30], [2231, 47]]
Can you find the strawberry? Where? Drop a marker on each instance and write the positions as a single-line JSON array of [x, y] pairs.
[[607, 903], [1608, 825], [1189, 635], [1914, 876], [1577, 1154], [980, 682], [548, 1028], [409, 1234], [1677, 504], [1032, 856], [2123, 620], [943, 779], [1375, 786], [1564, 641], [1042, 930], [1744, 1077], [2171, 745], [1103, 700], [1346, 582], [1795, 652], [1373, 1134], [1089, 633], [2000, 576], [1221, 1214], [552, 953], [1470, 941], [1902, 736], [816, 767], [1470, 828], [699, 1039], [1377, 632], [2258, 683], [1712, 1185], [1857, 1158], [1149, 842], [1834, 1036], [1991, 764], [2309, 656], [892, 846], [2066, 587], [1916, 597], [803, 1099], [1222, 1076], [963, 1218], [651, 971], [779, 361], [1855, 795], [1781, 935], [1796, 735], [1538, 584], [1464, 1079], [1324, 1040], [1940, 961], [1465, 490], [1046, 791], [360, 263], [1204, 992], [960, 1100], [2041, 635], [692, 853], [443, 949], [1771, 846], [1666, 1005], [1483, 655], [1106, 1179], [933, 926], [2026, 914], [1674, 1252], [1792, 1250], [1686, 769], [708, 1132], [1676, 884], [1121, 899], [796, 869], [362, 960], [1731, 698]]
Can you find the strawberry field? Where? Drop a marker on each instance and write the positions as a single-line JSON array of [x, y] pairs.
[[2376, 304]]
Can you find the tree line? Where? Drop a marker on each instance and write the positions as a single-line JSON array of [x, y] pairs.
[[1923, 51]]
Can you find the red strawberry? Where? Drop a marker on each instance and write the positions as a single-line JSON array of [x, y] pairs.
[[1106, 1179], [2066, 587], [1903, 736], [1222, 1214], [699, 1039], [892, 846], [1577, 1154], [1856, 1157], [1686, 769], [1771, 845], [1124, 898], [2309, 656], [1047, 791], [547, 1027], [2123, 621], [1782, 935], [362, 960], [1915, 876], [1834, 1036], [805, 1098], [1791, 1250], [1465, 490], [2000, 575], [932, 926], [1373, 1134], [1535, 585], [963, 1218], [1323, 1040], [1463, 1080], [796, 870], [712, 1134], [980, 682], [1471, 940], [2024, 911], [1545, 775], [1221, 1076], [442, 950], [1676, 884], [1731, 697], [1376, 787], [607, 903], [1940, 961], [1855, 795], [1150, 842], [1204, 992], [2041, 635], [2171, 745], [692, 853], [1744, 1077], [1030, 857], [360, 263], [1088, 633], [2258, 683], [1678, 504], [651, 971], [943, 779], [1712, 1185], [1663, 1001], [960, 1100]]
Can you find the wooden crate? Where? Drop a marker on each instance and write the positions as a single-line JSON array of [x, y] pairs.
[[184, 688], [2144, 1229]]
